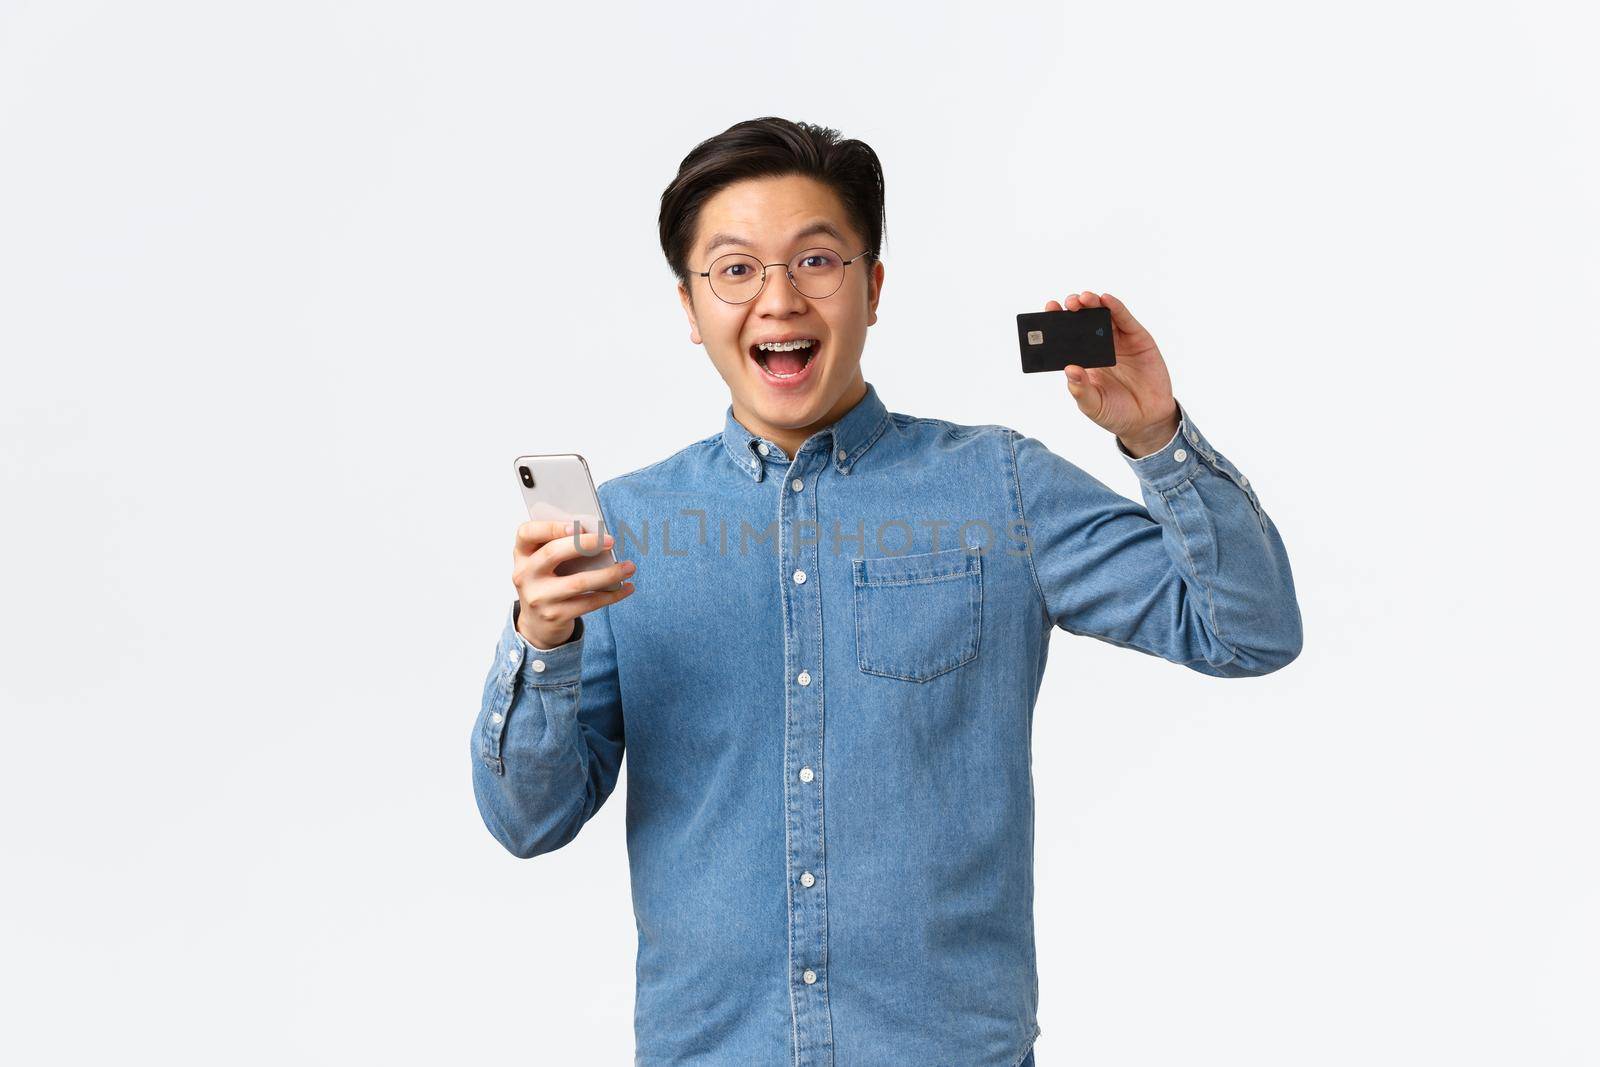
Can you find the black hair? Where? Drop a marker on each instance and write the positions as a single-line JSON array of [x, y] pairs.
[[772, 147]]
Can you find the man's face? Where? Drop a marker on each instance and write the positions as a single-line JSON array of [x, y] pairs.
[[769, 216]]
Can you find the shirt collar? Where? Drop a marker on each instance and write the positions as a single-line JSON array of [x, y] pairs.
[[846, 439]]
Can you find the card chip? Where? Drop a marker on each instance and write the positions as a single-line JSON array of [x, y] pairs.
[[1036, 337]]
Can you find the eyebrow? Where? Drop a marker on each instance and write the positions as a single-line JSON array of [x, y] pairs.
[[720, 239]]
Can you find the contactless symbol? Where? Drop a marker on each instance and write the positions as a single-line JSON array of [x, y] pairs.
[[1036, 337], [1099, 331]]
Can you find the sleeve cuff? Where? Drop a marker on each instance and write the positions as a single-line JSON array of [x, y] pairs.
[[541, 666], [1175, 435], [1175, 461]]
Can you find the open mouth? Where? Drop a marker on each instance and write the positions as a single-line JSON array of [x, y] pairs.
[[786, 362]]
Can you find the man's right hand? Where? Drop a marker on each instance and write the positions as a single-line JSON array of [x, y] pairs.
[[549, 601]]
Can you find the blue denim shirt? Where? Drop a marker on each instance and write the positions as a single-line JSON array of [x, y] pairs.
[[825, 683]]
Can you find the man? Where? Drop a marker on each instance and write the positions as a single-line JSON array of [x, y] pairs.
[[826, 682]]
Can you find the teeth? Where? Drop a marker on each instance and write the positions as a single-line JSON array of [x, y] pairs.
[[775, 374], [786, 346]]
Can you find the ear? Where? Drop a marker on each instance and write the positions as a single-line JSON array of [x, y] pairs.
[[874, 290], [688, 310]]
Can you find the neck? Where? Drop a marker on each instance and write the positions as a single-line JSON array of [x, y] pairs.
[[790, 439]]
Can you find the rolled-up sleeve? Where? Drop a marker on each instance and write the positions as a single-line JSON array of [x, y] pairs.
[[1197, 575]]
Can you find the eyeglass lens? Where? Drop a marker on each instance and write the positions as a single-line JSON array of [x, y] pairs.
[[818, 273]]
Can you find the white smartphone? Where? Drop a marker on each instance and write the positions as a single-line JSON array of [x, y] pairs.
[[560, 487]]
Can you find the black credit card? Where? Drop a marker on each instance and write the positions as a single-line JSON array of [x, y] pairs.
[[1052, 339]]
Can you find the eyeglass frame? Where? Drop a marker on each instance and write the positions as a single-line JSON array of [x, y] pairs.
[[787, 270]]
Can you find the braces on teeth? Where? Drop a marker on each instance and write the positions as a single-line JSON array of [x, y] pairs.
[[786, 346]]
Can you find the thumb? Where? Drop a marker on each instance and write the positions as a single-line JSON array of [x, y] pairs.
[[1089, 398]]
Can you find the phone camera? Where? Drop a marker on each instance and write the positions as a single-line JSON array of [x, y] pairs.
[[527, 476]]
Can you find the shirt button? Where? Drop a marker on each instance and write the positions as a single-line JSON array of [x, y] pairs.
[[805, 774], [538, 666], [762, 448], [799, 577], [1243, 480], [804, 678], [808, 880], [798, 484], [497, 718], [1180, 455], [1190, 436], [809, 977], [839, 454]]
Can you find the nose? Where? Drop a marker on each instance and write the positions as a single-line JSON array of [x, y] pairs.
[[776, 281]]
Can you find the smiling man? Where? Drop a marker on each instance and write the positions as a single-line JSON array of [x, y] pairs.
[[826, 682], [792, 361]]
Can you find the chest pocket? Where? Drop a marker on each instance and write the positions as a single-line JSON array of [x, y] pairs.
[[918, 616]]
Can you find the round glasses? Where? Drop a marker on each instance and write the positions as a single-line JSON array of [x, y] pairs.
[[816, 274]]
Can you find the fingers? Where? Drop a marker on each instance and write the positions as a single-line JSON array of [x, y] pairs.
[[536, 533], [567, 586], [552, 554], [555, 612], [1121, 317], [533, 533], [1089, 299], [587, 602], [1084, 389], [549, 600]]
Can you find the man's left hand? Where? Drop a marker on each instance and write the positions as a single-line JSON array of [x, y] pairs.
[[1134, 398]]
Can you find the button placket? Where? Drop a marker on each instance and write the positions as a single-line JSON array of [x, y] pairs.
[[1220, 464], [1232, 473], [494, 727], [494, 731], [803, 733]]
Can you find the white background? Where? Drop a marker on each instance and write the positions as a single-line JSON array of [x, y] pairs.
[[284, 287]]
